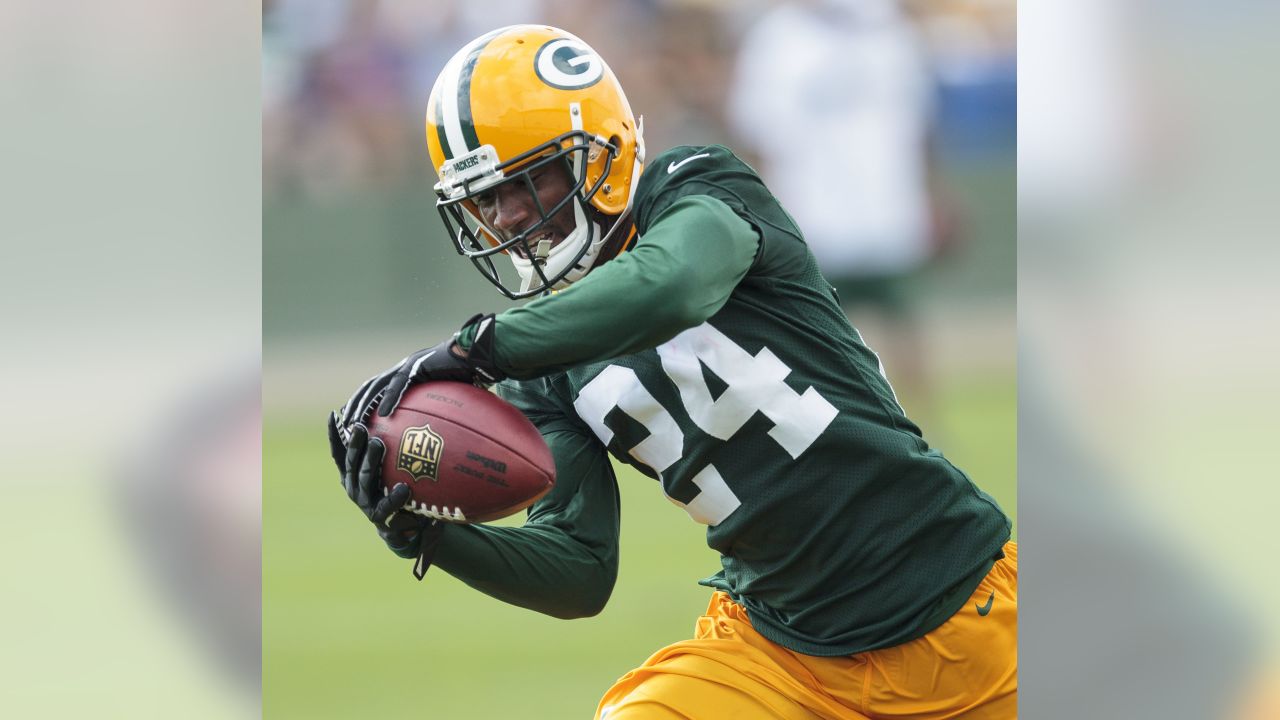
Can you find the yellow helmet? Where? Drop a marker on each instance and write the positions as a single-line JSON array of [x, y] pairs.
[[510, 102]]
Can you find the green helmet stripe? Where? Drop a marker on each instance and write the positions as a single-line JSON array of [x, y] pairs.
[[440, 133], [464, 92], [454, 127]]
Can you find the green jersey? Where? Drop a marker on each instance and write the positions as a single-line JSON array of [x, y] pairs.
[[714, 358]]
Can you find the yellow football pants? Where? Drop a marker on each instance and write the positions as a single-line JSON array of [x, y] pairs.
[[965, 668]]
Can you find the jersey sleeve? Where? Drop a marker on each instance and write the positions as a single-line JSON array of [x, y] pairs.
[[563, 561], [681, 272]]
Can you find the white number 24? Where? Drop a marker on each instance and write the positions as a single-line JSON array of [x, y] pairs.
[[755, 383]]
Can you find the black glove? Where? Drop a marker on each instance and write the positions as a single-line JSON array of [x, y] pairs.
[[360, 464], [436, 363]]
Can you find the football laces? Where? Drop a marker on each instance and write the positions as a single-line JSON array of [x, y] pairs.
[[435, 512]]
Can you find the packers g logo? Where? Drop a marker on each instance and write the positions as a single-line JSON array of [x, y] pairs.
[[420, 450], [568, 64]]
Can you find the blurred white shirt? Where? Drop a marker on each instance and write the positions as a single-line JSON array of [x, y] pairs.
[[836, 99]]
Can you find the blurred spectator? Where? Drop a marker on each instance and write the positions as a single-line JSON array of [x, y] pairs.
[[345, 84], [351, 103], [835, 98], [973, 53], [692, 63]]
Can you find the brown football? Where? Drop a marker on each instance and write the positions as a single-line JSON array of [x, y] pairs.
[[468, 455]]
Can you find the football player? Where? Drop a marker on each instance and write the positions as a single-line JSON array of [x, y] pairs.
[[682, 326]]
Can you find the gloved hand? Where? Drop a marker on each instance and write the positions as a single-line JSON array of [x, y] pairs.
[[442, 362], [360, 463]]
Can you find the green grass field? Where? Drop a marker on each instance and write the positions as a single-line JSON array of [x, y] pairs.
[[348, 632]]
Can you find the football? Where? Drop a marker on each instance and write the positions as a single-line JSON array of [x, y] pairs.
[[468, 455]]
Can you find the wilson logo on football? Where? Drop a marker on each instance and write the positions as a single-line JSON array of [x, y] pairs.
[[420, 450], [568, 65]]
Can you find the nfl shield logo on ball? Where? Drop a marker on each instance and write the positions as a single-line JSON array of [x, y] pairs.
[[420, 450]]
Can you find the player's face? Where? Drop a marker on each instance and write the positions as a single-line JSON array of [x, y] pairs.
[[511, 209]]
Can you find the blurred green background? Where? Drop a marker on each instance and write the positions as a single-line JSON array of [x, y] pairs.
[[357, 273]]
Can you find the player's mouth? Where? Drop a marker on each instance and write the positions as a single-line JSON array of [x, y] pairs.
[[536, 242]]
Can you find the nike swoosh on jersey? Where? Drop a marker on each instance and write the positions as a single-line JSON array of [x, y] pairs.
[[673, 166]]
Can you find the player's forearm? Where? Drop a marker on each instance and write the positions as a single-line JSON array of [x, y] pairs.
[[680, 273], [539, 568]]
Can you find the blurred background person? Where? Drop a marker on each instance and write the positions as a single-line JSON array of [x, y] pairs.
[[836, 99]]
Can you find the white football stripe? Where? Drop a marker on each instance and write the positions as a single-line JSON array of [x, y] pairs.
[[449, 101]]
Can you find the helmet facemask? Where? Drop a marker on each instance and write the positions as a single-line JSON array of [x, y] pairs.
[[536, 266]]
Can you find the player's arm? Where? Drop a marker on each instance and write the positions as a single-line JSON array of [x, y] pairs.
[[679, 274], [563, 561]]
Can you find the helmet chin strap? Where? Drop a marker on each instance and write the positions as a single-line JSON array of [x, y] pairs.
[[526, 276], [540, 252]]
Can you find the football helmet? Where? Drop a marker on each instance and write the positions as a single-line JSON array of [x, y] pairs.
[[506, 106]]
